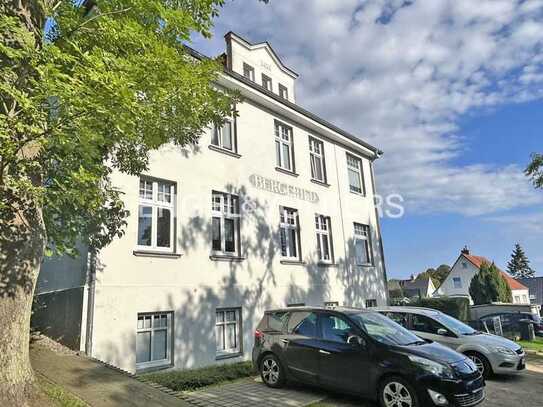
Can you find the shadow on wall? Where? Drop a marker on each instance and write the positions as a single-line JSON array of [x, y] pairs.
[[194, 319]]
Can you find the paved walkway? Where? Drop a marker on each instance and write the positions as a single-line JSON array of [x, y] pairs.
[[94, 382]]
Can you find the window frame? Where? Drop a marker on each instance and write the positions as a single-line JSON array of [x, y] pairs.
[[454, 280], [283, 92], [371, 303], [217, 132], [267, 80], [280, 142], [155, 205], [250, 70], [360, 172], [286, 213], [314, 156], [238, 350], [320, 222], [366, 237], [226, 200], [169, 339]]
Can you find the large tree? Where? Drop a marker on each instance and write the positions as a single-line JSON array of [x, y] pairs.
[[86, 88], [437, 275], [519, 265], [488, 285], [535, 170]]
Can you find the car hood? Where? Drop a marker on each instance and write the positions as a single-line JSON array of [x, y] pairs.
[[489, 340], [433, 351]]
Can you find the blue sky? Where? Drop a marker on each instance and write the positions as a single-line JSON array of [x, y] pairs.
[[451, 90]]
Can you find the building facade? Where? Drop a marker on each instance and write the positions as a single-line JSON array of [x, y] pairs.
[[275, 208]]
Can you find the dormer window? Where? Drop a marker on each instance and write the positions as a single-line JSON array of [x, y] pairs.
[[249, 72], [283, 91], [267, 82]]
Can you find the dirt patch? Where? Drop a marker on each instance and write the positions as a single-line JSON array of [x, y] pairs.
[[37, 339]]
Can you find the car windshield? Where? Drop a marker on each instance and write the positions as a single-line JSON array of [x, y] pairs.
[[384, 330], [455, 325]]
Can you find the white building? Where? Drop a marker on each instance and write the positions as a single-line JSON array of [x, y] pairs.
[[275, 208], [465, 268]]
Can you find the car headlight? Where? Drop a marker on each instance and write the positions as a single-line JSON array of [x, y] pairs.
[[432, 367], [505, 351]]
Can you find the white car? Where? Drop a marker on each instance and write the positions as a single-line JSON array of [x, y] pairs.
[[491, 353]]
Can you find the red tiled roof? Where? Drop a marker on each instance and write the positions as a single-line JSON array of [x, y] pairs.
[[477, 261]]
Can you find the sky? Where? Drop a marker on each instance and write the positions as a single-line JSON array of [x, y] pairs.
[[450, 90]]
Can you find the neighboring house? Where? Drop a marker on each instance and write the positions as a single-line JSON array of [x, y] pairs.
[[274, 208], [414, 287], [466, 266], [535, 287]]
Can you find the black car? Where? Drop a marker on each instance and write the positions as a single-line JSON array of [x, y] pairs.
[[364, 353], [511, 322]]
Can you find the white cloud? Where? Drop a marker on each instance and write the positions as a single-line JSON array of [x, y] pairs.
[[399, 73]]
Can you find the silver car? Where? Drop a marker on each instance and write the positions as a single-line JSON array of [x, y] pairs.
[[491, 353]]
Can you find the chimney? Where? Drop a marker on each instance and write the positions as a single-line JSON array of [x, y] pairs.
[[465, 250]]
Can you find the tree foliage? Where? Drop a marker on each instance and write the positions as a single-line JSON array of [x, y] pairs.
[[437, 275], [534, 170], [488, 285], [107, 83], [519, 265]]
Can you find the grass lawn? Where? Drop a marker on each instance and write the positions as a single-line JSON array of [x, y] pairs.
[[534, 345], [180, 380], [57, 396]]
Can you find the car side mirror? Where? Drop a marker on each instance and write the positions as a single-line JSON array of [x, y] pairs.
[[356, 341], [442, 332]]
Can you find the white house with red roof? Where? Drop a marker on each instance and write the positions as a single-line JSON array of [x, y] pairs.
[[458, 280]]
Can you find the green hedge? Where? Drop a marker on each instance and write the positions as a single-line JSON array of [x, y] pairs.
[[180, 380], [458, 308]]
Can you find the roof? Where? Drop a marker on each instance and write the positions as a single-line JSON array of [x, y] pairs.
[[478, 261], [293, 106]]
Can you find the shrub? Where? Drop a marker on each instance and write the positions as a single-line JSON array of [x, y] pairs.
[[455, 307], [488, 286], [180, 380]]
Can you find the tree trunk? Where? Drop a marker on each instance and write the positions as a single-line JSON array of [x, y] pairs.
[[22, 242]]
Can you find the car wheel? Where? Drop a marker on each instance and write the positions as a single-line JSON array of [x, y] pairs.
[[397, 392], [272, 372], [482, 363]]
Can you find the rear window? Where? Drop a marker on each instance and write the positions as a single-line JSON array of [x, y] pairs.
[[272, 322]]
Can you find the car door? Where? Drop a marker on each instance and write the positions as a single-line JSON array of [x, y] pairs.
[[428, 328], [299, 346], [342, 365]]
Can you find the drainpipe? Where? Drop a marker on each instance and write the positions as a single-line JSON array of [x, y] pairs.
[[91, 287]]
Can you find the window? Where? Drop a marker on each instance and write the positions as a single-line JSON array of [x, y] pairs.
[[422, 323], [283, 91], [371, 303], [290, 233], [153, 339], [362, 245], [225, 236], [524, 299], [228, 331], [283, 146], [316, 156], [324, 239], [156, 215], [249, 72], [273, 321], [517, 299], [457, 282], [336, 329], [331, 304], [267, 82], [356, 179], [464, 265], [398, 317], [303, 324], [224, 137]]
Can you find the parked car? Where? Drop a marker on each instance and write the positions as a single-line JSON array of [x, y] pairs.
[[491, 353], [511, 321], [364, 353]]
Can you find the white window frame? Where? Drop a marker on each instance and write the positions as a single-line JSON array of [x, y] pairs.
[[267, 80], [218, 135], [370, 303], [283, 137], [457, 282], [517, 299], [156, 204], [331, 304], [152, 330], [289, 220], [225, 207], [358, 169], [323, 229], [283, 91], [362, 233], [316, 158], [223, 326], [248, 71]]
